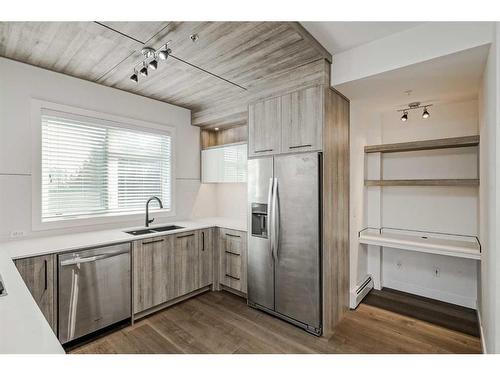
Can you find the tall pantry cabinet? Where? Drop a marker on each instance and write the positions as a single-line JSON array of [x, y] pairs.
[[314, 118]]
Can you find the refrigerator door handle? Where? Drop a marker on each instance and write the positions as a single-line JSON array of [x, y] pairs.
[[276, 220], [269, 215]]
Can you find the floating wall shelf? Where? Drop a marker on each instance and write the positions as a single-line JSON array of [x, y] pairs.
[[432, 144], [426, 182], [425, 242]]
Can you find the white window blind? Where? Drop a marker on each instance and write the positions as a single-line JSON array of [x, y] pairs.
[[92, 168]]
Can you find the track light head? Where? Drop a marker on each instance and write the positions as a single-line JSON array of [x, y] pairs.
[[144, 72], [164, 54], [404, 118], [425, 114], [134, 77], [153, 64]]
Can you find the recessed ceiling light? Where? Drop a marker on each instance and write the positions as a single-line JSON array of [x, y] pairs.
[[404, 118], [216, 129], [144, 71], [134, 77]]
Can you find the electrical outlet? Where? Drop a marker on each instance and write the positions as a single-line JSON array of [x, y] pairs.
[[437, 272], [17, 233]]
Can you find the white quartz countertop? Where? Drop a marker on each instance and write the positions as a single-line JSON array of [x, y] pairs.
[[23, 328]]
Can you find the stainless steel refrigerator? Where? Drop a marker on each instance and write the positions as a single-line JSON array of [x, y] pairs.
[[284, 238]]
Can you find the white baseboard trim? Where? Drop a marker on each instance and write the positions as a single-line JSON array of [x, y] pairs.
[[481, 332], [456, 299], [361, 291]]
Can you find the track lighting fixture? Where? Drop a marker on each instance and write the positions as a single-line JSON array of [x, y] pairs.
[[150, 61], [425, 114], [412, 106], [153, 64], [163, 54]]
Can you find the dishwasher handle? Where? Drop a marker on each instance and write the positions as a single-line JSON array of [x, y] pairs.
[[78, 260]]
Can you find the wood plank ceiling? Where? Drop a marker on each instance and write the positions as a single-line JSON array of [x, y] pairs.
[[225, 68]]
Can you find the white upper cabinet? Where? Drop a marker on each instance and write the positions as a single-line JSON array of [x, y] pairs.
[[289, 123], [224, 164]]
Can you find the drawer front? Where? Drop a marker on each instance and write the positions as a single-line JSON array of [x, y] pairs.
[[233, 240], [233, 266], [232, 247]]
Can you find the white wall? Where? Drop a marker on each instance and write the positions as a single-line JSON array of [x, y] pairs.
[[232, 201], [19, 83], [418, 44], [364, 129], [489, 98], [222, 200], [451, 210]]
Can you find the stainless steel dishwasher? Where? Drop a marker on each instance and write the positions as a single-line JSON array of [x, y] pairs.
[[94, 290]]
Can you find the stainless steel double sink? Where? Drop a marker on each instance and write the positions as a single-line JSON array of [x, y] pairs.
[[140, 232]]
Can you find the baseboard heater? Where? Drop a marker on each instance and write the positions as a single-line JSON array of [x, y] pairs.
[[361, 291]]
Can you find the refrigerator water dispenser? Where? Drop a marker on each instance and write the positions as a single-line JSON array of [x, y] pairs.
[[259, 220]]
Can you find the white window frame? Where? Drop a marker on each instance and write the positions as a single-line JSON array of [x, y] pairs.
[[36, 161]]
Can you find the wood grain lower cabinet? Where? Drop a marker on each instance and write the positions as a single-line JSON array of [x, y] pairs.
[[153, 272], [186, 267], [232, 246], [206, 260], [39, 275], [168, 267]]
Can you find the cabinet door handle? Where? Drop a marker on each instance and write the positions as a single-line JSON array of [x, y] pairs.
[[299, 146], [46, 270], [232, 277], [266, 150], [187, 235], [233, 235], [202, 241], [230, 252], [154, 241]]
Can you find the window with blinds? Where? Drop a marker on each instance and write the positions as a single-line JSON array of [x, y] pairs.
[[92, 167]]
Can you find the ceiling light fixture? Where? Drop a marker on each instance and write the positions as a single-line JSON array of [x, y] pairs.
[[153, 64], [151, 60], [163, 54], [426, 113], [412, 106]]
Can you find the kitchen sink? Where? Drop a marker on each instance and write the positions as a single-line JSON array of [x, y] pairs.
[[140, 232]]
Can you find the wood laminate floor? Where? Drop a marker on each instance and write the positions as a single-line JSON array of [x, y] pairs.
[[454, 317], [219, 322]]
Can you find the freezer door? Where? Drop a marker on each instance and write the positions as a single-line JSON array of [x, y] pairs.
[[298, 273], [260, 264]]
